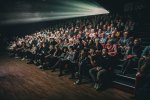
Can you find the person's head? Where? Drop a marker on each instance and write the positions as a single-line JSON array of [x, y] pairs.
[[113, 35], [125, 34], [71, 48], [109, 42], [104, 51], [52, 39], [23, 43], [87, 36], [102, 34], [51, 47], [65, 49], [60, 41], [91, 42], [79, 40], [33, 45], [66, 40], [136, 41], [98, 52], [91, 50], [57, 47], [71, 41], [108, 28], [85, 52]]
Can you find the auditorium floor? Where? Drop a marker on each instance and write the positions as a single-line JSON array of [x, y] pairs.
[[21, 81]]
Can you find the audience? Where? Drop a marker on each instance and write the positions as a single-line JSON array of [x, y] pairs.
[[88, 46]]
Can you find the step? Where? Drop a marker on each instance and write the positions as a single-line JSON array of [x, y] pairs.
[[135, 69], [125, 85], [116, 71], [128, 79], [128, 76], [119, 67], [125, 81]]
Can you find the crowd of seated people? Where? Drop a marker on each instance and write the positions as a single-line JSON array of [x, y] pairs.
[[90, 46]]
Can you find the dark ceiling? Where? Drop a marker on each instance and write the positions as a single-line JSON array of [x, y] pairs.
[[44, 5], [37, 6], [40, 6]]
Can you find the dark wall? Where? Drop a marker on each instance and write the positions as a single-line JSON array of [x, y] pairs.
[[21, 29]]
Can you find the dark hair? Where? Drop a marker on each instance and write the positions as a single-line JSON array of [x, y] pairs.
[[106, 49], [71, 47]]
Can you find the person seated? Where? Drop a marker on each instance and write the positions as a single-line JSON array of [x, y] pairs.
[[142, 74], [122, 44], [31, 54], [145, 53], [18, 49], [84, 63], [112, 48], [102, 64], [74, 68], [11, 48], [103, 39], [41, 53], [79, 44], [49, 53], [133, 56], [61, 57], [67, 60], [97, 45], [52, 56]]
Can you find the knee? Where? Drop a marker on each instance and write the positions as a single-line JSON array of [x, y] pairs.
[[91, 71], [102, 72]]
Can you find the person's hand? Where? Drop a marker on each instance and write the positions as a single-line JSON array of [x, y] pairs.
[[98, 68], [121, 47], [90, 56], [138, 74]]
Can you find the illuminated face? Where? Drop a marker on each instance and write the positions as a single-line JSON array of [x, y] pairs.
[[65, 49], [104, 51], [98, 52], [136, 42], [91, 51]]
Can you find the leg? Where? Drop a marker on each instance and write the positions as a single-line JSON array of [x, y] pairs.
[[101, 77], [92, 73]]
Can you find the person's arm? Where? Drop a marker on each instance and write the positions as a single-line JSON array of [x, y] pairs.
[[144, 68], [91, 60], [145, 51], [114, 52]]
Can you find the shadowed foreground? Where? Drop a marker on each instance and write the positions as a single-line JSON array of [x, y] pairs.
[[20, 81]]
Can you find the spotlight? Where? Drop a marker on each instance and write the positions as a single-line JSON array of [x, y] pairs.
[[54, 11]]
